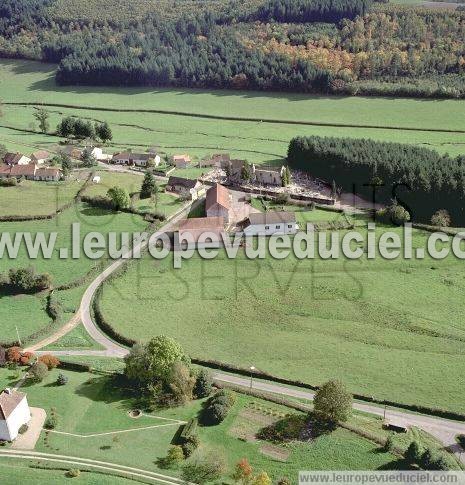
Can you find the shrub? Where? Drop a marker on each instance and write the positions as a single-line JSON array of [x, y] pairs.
[[62, 380], [23, 429], [51, 422], [38, 371], [243, 471], [283, 481], [203, 384], [9, 182], [188, 448], [287, 429], [3, 358], [461, 440], [218, 406], [174, 457], [282, 199], [50, 361], [73, 473], [333, 402], [441, 218], [389, 445]]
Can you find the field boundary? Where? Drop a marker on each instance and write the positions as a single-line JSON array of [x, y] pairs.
[[237, 118]]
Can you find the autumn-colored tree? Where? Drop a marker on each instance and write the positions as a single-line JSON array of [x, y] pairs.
[[50, 361], [26, 358], [262, 479], [243, 471], [14, 354]]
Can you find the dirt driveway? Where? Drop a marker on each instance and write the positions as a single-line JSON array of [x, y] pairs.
[[28, 440]]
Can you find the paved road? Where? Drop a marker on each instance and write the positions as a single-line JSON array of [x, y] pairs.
[[77, 462]]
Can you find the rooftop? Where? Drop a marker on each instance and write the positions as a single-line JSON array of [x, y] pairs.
[[9, 401], [271, 217], [201, 223], [218, 194]]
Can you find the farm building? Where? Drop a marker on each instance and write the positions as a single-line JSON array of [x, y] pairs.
[[219, 160], [40, 157], [267, 176], [218, 202], [16, 159], [31, 172], [185, 187], [14, 413], [269, 223], [206, 230], [181, 161], [137, 159]]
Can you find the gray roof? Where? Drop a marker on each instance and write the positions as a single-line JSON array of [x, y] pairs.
[[188, 183], [271, 217]]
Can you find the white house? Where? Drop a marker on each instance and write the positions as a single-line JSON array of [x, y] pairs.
[[98, 153], [14, 413], [269, 223]]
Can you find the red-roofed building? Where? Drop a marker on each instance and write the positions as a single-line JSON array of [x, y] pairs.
[[218, 203]]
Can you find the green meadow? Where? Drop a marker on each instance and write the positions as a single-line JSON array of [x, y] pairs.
[[259, 141], [390, 329]]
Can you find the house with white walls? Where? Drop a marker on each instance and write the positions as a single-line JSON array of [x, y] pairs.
[[270, 223], [14, 413]]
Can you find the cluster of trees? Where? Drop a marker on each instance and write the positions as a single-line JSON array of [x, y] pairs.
[[162, 371], [24, 280], [81, 129], [331, 11], [421, 180]]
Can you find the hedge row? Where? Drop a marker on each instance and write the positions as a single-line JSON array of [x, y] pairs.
[[188, 430], [74, 366], [441, 413], [105, 326]]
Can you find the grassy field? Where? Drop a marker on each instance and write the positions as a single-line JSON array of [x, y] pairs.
[[29, 82], [27, 312], [94, 404], [389, 329], [37, 198]]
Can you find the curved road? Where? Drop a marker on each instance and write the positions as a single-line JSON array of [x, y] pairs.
[[443, 429]]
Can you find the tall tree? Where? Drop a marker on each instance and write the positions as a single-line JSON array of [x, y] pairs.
[[41, 115], [103, 131], [149, 186], [120, 197]]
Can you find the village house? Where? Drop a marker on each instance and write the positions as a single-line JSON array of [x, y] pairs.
[[185, 187], [181, 161], [16, 159], [31, 172], [137, 159], [206, 229], [14, 413], [219, 160], [49, 174], [218, 203], [270, 223], [40, 157]]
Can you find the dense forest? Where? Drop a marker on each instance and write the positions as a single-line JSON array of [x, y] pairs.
[[338, 46], [420, 179]]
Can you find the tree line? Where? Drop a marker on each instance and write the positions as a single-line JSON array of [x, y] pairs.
[[421, 180]]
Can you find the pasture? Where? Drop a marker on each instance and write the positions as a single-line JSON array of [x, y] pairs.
[[389, 329], [183, 126]]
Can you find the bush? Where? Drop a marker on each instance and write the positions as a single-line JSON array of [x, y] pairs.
[[23, 429], [389, 445], [188, 448], [394, 214], [174, 457], [203, 384], [38, 371], [50, 361], [51, 422], [461, 440], [3, 358], [441, 218], [218, 406], [62, 380], [9, 182], [73, 473]]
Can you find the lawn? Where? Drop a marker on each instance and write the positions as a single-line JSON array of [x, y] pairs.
[[24, 471], [37, 198], [27, 312], [91, 404], [389, 329], [258, 141]]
